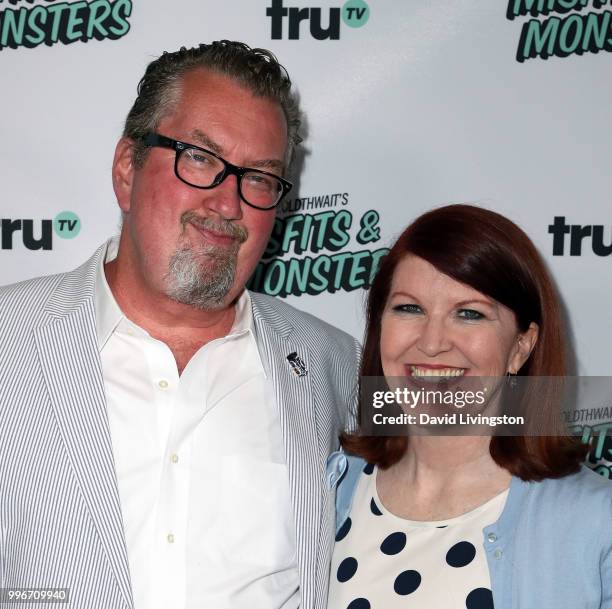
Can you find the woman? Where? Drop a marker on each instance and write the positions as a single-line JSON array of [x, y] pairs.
[[467, 522]]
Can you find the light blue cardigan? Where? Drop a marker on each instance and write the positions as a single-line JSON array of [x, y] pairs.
[[551, 547]]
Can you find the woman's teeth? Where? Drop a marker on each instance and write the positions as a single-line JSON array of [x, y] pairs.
[[436, 374]]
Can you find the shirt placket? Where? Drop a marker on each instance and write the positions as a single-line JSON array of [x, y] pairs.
[[169, 543]]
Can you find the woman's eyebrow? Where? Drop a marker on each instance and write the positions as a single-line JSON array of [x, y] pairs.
[[489, 303], [402, 293]]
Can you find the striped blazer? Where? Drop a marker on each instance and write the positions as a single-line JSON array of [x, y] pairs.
[[60, 515]]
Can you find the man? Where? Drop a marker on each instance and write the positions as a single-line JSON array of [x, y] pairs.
[[164, 433]]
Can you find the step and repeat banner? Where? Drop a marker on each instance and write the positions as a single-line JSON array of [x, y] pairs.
[[409, 105]]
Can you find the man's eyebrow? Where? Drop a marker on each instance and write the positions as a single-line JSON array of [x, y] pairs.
[[203, 140], [267, 164]]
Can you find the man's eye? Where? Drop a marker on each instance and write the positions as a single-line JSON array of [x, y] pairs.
[[470, 314], [407, 308], [255, 178], [197, 157], [260, 181]]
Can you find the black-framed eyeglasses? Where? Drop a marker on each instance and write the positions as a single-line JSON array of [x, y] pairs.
[[202, 168]]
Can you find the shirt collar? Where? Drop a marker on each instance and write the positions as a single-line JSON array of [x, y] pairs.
[[109, 315]]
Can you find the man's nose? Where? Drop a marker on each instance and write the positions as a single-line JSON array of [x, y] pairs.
[[224, 199], [434, 337]]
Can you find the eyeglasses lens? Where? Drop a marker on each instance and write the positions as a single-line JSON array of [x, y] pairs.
[[199, 168]]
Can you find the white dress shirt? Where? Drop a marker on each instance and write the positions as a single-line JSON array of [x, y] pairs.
[[201, 469]]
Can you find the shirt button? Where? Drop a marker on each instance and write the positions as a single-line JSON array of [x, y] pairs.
[[498, 554], [492, 537], [170, 538], [174, 458], [163, 384]]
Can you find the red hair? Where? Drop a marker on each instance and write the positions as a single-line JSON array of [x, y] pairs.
[[491, 254]]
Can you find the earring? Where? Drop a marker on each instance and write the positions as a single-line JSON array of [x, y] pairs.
[[511, 379]]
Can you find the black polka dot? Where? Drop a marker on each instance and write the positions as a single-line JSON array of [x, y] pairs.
[[461, 554], [393, 544], [359, 603], [479, 598], [346, 569], [407, 582], [374, 508], [344, 529], [368, 469]]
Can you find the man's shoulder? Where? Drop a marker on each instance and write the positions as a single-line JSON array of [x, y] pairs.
[[57, 292], [304, 325], [29, 294]]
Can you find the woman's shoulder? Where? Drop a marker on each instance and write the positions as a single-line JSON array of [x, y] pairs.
[[581, 502], [583, 487]]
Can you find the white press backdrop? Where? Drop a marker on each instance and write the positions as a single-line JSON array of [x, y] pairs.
[[422, 105]]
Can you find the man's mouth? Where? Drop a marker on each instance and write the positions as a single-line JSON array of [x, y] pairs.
[[217, 238], [222, 233]]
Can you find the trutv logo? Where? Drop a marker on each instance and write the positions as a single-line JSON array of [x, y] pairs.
[[579, 236], [38, 235], [354, 13]]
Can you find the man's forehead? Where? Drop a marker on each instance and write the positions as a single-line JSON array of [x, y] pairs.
[[211, 86], [209, 106]]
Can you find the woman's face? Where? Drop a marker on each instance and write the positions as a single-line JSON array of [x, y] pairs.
[[434, 326]]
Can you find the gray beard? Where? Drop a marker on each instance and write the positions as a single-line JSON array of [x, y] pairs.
[[202, 277]]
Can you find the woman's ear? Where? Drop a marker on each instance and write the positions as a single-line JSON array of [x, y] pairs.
[[525, 343]]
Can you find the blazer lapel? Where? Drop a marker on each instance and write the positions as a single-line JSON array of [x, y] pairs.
[[68, 350], [297, 413]]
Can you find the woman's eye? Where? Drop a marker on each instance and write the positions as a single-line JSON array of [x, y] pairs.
[[470, 314], [407, 308]]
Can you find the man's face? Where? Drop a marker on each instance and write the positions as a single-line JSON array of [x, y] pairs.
[[198, 246]]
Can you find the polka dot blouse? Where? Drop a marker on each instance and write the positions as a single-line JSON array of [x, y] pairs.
[[381, 561]]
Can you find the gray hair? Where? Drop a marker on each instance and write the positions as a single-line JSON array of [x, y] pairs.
[[256, 69]]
